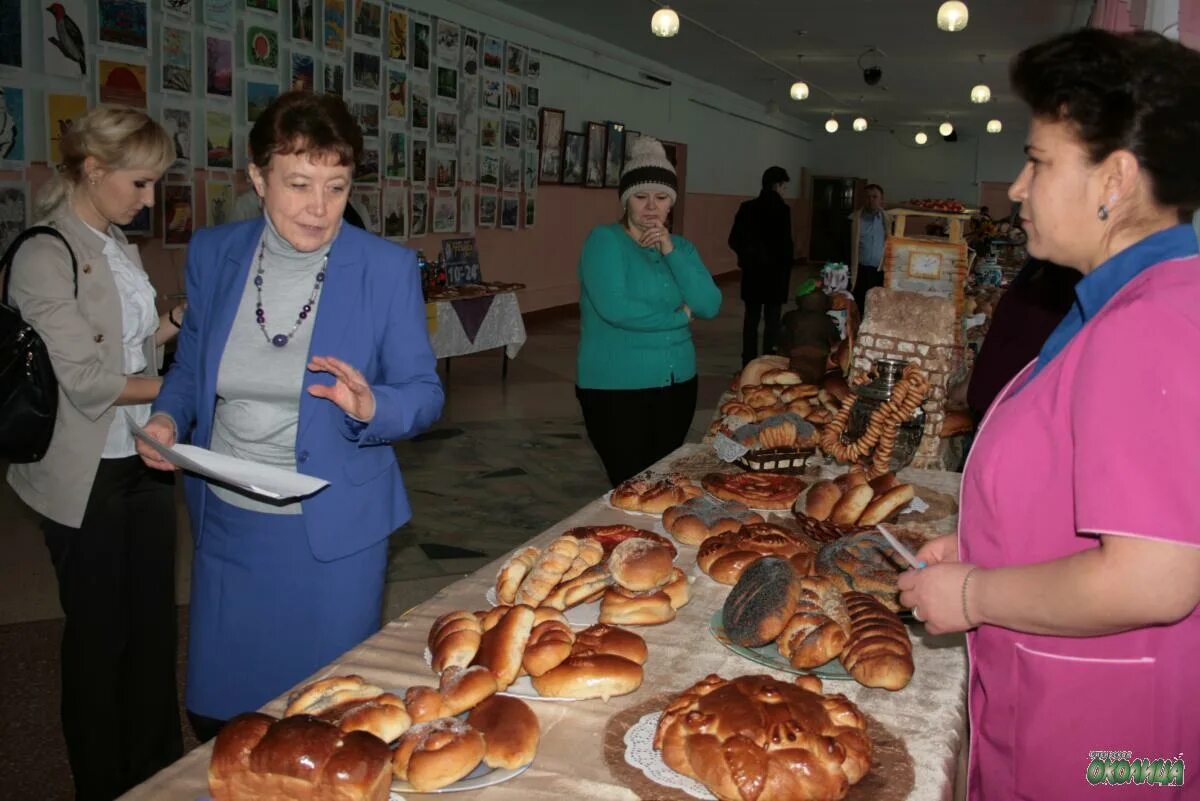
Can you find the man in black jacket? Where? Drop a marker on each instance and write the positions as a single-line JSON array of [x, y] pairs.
[[762, 239]]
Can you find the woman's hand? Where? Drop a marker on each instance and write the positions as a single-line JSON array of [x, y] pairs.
[[350, 391], [162, 430], [939, 550], [935, 594], [657, 236]]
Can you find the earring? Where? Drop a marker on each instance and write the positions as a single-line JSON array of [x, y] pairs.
[[1103, 212]]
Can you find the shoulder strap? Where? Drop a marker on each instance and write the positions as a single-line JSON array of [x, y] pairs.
[[29, 233]]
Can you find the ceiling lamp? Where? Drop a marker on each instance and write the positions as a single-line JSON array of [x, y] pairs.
[[981, 93], [799, 90], [921, 138], [860, 124], [831, 125], [995, 126], [664, 23], [946, 128], [952, 16]]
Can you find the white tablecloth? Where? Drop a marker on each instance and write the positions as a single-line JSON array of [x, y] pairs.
[[501, 328]]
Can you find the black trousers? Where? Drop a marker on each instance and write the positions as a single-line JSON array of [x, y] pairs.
[[116, 582], [632, 429], [768, 313], [868, 278]]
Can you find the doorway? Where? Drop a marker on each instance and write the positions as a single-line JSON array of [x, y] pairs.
[[832, 205]]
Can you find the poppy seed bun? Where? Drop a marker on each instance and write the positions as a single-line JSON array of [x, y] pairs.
[[762, 602]]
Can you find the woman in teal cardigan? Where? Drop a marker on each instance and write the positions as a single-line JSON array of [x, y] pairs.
[[640, 287]]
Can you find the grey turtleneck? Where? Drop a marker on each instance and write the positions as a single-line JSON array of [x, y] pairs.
[[258, 384]]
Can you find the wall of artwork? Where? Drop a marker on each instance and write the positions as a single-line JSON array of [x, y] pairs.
[[450, 97]]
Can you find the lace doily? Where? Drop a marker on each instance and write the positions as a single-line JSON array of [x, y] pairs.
[[640, 753]]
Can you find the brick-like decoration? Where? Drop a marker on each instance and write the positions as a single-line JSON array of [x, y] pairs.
[[920, 329]]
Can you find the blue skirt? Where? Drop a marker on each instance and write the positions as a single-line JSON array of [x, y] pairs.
[[265, 614]]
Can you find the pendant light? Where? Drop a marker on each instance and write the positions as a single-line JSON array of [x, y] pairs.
[[952, 16], [921, 138], [831, 124], [860, 124], [981, 92], [665, 23], [799, 90], [946, 128], [995, 126]]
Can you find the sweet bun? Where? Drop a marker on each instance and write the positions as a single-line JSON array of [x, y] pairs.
[[503, 647], [882, 484], [725, 556], [385, 717], [579, 589], [327, 694], [851, 505], [463, 688], [623, 608], [508, 581], [817, 632], [759, 397], [753, 372], [490, 617], [510, 731], [549, 644], [438, 753], [798, 392], [762, 602], [454, 639], [595, 676], [605, 639], [781, 377], [878, 652], [851, 479], [889, 503], [424, 704], [678, 589], [820, 500], [697, 519], [640, 565]]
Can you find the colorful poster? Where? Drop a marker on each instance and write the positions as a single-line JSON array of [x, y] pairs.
[[367, 200], [510, 212], [218, 13], [418, 219], [262, 48], [61, 113], [493, 94], [11, 43], [533, 65], [14, 211], [335, 25], [397, 43], [367, 115], [421, 44], [445, 170], [303, 21], [365, 68], [445, 214], [12, 127], [447, 83], [178, 215], [446, 129], [395, 214], [366, 171], [335, 79], [510, 172], [176, 59], [396, 163], [419, 103], [179, 8], [66, 51], [489, 170], [368, 20], [417, 165], [218, 66], [121, 83], [514, 60], [449, 41], [123, 22], [218, 139], [218, 202], [258, 96], [178, 124], [397, 95], [493, 54], [304, 72], [488, 210], [489, 131]]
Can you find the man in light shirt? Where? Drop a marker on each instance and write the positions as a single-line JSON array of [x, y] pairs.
[[869, 232]]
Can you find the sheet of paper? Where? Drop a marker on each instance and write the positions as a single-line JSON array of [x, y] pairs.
[[259, 479]]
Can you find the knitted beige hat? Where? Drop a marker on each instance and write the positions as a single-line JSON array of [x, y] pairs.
[[647, 170]]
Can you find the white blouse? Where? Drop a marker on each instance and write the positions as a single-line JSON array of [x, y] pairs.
[[139, 320]]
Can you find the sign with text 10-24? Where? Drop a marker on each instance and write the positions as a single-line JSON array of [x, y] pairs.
[[460, 257]]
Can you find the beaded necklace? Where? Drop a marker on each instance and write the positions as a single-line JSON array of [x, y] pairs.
[[279, 340]]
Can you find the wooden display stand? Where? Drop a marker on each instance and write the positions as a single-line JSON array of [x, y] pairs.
[[930, 265]]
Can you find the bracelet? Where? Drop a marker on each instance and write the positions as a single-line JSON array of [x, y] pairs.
[[171, 319], [967, 580]]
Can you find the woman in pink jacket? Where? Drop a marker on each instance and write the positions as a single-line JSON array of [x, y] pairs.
[[1076, 570]]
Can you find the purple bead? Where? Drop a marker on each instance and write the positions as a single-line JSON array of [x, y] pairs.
[[258, 282], [279, 340], [307, 307], [320, 277], [303, 315]]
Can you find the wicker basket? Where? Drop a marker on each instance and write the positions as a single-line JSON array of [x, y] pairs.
[[776, 460]]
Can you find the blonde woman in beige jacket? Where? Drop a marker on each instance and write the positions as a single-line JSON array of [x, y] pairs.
[[108, 521]]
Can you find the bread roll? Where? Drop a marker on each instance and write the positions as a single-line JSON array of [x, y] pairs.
[[326, 694], [850, 479], [760, 397], [489, 618], [597, 676], [549, 644], [591, 553], [752, 373], [510, 731], [725, 556], [503, 647], [640, 565], [817, 632], [878, 652], [424, 704], [620, 607], [798, 392], [762, 602], [385, 717], [463, 688], [454, 639], [821, 499], [577, 590], [547, 571], [257, 757], [438, 753], [782, 377], [602, 638], [508, 581], [697, 519], [886, 505], [851, 505], [883, 483], [678, 589]]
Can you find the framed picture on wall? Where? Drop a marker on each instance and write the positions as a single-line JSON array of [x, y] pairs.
[[574, 152], [596, 139], [551, 120], [614, 154]]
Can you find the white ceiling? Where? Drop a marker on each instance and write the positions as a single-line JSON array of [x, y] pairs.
[[927, 73]]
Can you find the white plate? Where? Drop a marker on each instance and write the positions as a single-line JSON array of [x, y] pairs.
[[580, 617], [641, 754], [481, 777], [521, 688]]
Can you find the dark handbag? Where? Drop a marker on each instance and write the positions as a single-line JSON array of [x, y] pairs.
[[28, 388]]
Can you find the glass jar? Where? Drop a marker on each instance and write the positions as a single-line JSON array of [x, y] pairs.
[[885, 374]]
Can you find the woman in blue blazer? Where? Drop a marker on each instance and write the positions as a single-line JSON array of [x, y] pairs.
[[305, 346]]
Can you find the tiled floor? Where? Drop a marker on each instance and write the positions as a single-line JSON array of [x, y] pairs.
[[507, 460]]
